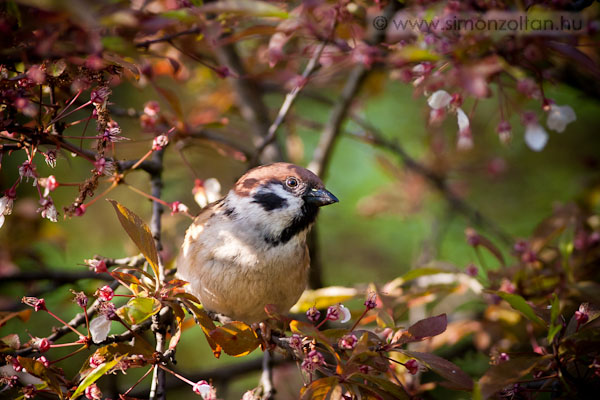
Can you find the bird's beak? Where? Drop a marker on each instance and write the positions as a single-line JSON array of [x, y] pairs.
[[320, 197]]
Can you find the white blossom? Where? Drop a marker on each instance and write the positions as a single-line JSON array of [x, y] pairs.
[[47, 209], [207, 192], [439, 99], [559, 117], [462, 119], [99, 328], [536, 136]]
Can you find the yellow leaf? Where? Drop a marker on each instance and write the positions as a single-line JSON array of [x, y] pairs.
[[139, 232]]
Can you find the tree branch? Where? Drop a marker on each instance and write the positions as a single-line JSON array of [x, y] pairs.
[[167, 38], [250, 101], [289, 101], [159, 327]]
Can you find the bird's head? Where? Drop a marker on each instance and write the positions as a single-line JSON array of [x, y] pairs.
[[281, 199]]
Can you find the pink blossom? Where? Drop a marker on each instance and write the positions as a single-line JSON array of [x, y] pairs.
[[104, 167], [178, 207], [44, 361], [160, 142], [37, 304], [92, 392], [296, 342], [348, 342], [105, 293], [47, 209], [27, 170], [412, 366], [504, 131], [98, 266], [100, 95], [41, 344], [582, 315], [371, 301], [313, 360], [49, 184], [204, 389], [338, 312], [80, 210], [96, 360], [471, 270], [152, 108], [313, 314]]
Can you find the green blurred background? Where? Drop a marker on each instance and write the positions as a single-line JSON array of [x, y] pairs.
[[377, 232]]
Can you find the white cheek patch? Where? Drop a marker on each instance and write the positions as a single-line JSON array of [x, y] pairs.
[[253, 216]]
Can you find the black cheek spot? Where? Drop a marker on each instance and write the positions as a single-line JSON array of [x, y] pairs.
[[270, 201]]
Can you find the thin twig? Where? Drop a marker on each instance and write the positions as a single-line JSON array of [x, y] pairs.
[[249, 98], [336, 118], [288, 102], [168, 38]]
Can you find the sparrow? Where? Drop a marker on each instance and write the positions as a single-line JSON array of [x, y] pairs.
[[248, 249]]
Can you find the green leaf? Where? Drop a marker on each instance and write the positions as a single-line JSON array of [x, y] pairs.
[[518, 303], [236, 338], [99, 371], [418, 272], [56, 68], [139, 309], [139, 232], [117, 44], [323, 298], [555, 311]]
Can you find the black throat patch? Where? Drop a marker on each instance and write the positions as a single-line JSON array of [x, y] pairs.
[[307, 216]]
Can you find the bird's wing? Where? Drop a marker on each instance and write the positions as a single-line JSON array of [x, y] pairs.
[[191, 244]]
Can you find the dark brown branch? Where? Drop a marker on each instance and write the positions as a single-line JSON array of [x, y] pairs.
[[266, 378], [60, 277], [218, 375], [159, 327], [336, 118]]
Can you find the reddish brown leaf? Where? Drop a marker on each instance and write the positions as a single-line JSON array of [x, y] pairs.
[[319, 389], [236, 338], [6, 316], [429, 327], [36, 368], [501, 375], [444, 368]]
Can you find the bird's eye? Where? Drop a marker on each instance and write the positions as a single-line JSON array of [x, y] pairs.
[[291, 182]]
